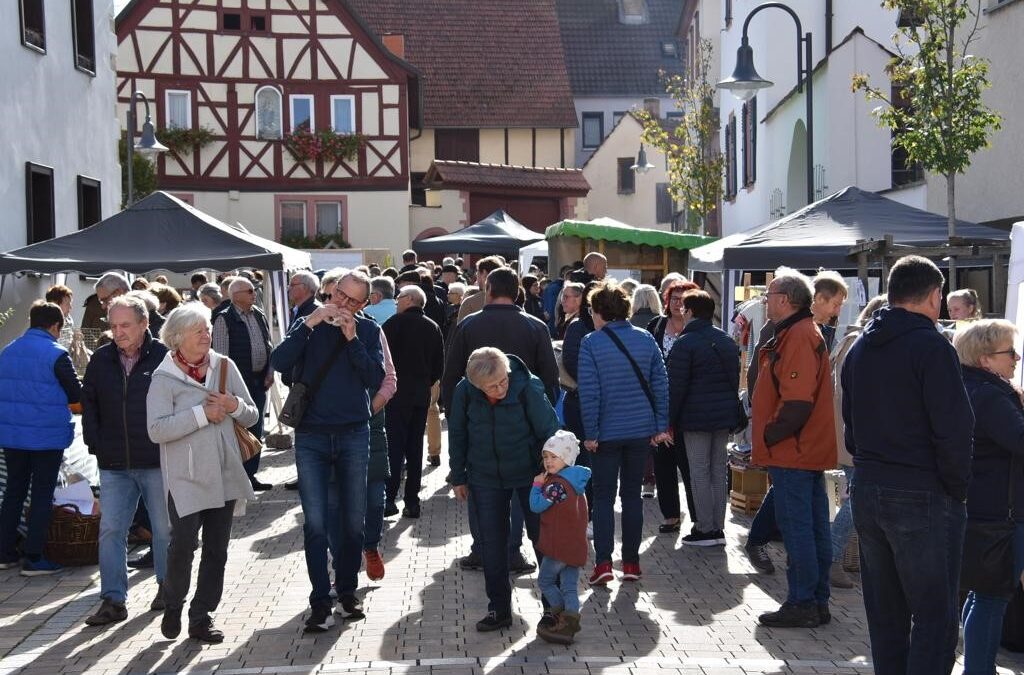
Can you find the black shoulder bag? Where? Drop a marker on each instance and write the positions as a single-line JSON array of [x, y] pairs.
[[636, 369], [987, 565], [300, 395]]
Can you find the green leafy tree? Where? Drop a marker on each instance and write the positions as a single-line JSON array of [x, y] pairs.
[[143, 174], [946, 121], [695, 164]]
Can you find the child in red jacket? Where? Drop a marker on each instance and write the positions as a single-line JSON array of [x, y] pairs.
[[558, 496]]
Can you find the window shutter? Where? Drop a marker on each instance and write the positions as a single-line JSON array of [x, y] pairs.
[[664, 207]]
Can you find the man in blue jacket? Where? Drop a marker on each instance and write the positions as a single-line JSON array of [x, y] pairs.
[[114, 426], [333, 437], [37, 386], [909, 427]]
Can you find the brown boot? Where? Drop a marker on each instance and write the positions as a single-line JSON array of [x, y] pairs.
[[567, 627], [548, 624]]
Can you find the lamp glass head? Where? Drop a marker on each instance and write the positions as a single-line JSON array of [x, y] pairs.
[[642, 165], [744, 81], [147, 145]]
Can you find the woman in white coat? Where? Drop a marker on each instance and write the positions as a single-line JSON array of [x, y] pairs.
[[202, 468]]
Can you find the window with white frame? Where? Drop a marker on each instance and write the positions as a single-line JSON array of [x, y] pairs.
[[293, 219], [593, 129], [343, 114], [301, 111], [179, 109], [268, 113]]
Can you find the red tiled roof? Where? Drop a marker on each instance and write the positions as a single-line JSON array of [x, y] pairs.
[[485, 63], [474, 175]]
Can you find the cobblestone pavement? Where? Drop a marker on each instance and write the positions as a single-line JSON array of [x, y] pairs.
[[694, 611]]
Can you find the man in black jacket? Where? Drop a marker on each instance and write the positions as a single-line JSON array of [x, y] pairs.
[[909, 427], [418, 352], [242, 333], [114, 425]]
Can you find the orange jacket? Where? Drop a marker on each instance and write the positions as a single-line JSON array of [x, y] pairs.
[[794, 366]]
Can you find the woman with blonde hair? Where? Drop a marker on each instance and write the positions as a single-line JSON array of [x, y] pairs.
[[193, 420], [988, 359], [646, 305]]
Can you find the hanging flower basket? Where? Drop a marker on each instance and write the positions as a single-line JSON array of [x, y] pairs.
[[184, 141], [326, 144]]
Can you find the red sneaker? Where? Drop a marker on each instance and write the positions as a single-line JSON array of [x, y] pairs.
[[631, 572], [374, 565], [602, 574]]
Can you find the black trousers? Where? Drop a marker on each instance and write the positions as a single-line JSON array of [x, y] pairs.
[[668, 459], [405, 426], [216, 527]]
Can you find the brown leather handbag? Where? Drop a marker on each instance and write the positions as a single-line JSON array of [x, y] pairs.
[[248, 445]]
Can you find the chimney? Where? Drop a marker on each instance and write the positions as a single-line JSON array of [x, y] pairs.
[[395, 43], [653, 106]]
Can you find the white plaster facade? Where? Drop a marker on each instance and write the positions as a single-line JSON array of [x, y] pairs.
[[60, 117], [849, 147], [638, 208], [993, 186]]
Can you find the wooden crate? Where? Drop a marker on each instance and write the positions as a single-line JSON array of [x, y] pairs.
[[749, 486]]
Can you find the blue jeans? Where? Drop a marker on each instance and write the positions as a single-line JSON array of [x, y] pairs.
[[493, 505], [119, 499], [763, 528], [842, 526], [801, 511], [983, 620], [910, 547], [318, 458], [515, 531], [619, 464], [560, 584], [374, 525], [35, 471]]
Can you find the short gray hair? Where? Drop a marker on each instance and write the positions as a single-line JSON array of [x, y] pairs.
[[181, 320], [240, 283], [148, 299], [419, 298], [980, 338], [629, 285], [333, 276], [112, 281], [308, 279], [360, 277], [797, 287], [457, 287], [211, 291], [646, 297], [484, 364], [669, 278], [383, 285], [129, 302]]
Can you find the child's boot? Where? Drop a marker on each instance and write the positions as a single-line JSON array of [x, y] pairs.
[[548, 624], [568, 626]]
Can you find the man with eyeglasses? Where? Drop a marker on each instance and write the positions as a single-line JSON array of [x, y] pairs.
[[332, 439], [242, 332], [909, 426], [112, 285]]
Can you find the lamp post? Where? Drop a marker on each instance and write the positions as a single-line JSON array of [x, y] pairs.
[[148, 146], [745, 81], [641, 165]]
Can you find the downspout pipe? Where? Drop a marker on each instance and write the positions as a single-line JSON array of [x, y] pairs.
[[828, 26]]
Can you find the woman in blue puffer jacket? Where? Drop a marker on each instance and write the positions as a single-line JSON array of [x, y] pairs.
[[703, 381], [623, 393]]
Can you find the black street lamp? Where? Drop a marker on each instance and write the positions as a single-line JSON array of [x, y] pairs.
[[148, 146], [745, 81], [642, 165]]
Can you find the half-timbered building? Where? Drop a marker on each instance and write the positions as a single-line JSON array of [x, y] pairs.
[[300, 114]]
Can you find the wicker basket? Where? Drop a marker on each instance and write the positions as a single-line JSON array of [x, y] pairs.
[[74, 539], [851, 556]]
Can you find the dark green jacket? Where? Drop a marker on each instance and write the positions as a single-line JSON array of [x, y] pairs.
[[378, 468], [499, 445]]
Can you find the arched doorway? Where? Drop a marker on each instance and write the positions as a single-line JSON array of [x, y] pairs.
[[796, 182]]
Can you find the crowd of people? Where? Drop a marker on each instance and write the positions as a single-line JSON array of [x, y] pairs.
[[560, 395]]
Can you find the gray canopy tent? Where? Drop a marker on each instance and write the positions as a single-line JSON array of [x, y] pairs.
[[497, 233], [159, 232], [823, 233]]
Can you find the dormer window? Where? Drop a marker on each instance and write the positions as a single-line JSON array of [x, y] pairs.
[[669, 50], [633, 12]]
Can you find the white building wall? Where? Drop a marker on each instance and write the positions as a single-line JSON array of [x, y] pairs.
[[59, 117], [849, 147]]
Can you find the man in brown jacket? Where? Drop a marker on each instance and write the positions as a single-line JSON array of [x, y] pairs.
[[794, 436]]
